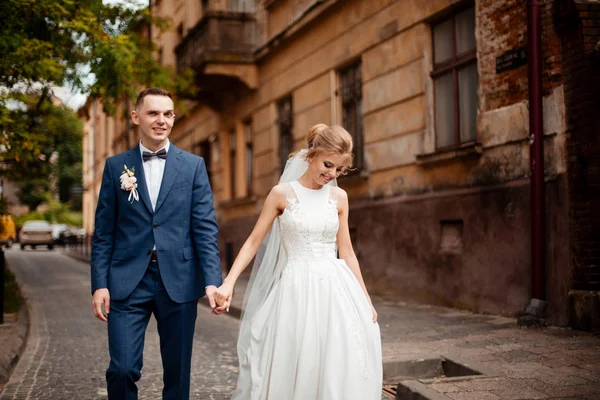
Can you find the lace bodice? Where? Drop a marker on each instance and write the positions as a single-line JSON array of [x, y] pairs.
[[310, 223]]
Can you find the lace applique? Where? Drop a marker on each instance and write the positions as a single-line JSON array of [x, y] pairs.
[[300, 234]]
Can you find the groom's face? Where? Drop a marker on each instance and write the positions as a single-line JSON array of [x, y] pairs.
[[155, 117]]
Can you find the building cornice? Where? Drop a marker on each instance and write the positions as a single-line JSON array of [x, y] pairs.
[[308, 16]]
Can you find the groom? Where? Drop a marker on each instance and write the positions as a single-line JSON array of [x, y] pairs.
[[154, 251]]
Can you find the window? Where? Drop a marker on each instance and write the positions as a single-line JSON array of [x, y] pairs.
[[202, 149], [455, 79], [352, 118], [232, 163], [285, 117], [249, 155], [179, 32]]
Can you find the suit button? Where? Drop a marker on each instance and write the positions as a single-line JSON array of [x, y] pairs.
[[155, 226]]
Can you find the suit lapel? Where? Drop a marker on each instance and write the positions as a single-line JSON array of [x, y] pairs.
[[134, 159], [172, 166]]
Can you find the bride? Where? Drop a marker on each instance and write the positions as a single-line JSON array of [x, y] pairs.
[[309, 329]]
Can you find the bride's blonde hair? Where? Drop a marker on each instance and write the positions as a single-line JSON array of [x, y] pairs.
[[322, 139]]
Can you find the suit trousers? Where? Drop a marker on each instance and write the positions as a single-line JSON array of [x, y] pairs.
[[127, 323]]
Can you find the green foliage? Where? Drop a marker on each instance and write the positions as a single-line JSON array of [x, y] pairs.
[[48, 43], [45, 142], [13, 300], [33, 192], [57, 213]]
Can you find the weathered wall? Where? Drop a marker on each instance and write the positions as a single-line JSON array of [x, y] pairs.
[[578, 25]]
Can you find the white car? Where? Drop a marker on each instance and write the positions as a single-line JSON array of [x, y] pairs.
[[35, 233]]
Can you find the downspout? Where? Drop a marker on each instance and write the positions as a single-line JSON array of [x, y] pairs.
[[536, 308]]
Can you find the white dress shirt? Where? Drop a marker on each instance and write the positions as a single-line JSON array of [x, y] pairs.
[[154, 170]]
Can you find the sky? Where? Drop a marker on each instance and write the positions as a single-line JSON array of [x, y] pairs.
[[69, 97]]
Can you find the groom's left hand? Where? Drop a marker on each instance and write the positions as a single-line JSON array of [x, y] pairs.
[[210, 295]]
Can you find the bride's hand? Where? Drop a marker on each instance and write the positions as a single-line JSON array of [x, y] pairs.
[[223, 297], [374, 313]]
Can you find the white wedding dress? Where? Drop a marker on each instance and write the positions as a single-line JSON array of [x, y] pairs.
[[313, 338]]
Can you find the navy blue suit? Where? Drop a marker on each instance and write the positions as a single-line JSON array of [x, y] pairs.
[[184, 230]]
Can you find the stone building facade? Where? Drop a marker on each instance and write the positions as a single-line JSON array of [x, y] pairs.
[[435, 94]]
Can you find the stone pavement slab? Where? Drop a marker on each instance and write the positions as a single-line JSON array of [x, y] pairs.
[[509, 362], [67, 352], [515, 363], [13, 338]]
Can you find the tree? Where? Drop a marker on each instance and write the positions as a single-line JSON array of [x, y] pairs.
[[55, 144], [48, 43], [33, 192]]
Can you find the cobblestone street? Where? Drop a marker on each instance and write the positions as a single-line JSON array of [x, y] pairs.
[[67, 351]]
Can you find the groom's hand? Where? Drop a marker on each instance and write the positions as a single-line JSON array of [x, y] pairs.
[[101, 296], [210, 295]]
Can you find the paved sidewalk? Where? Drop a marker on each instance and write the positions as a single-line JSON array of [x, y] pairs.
[[514, 363], [13, 337], [424, 347]]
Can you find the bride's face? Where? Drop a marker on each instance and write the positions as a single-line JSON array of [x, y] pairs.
[[325, 167]]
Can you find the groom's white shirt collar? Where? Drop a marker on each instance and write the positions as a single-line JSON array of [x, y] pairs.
[[144, 148]]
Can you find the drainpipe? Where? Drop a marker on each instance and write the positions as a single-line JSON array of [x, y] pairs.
[[536, 308]]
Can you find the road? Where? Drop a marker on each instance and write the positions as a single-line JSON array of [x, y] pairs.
[[67, 351]]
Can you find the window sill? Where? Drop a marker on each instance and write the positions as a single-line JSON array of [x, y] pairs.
[[469, 150], [242, 201]]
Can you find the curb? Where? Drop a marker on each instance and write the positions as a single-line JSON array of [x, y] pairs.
[[15, 343]]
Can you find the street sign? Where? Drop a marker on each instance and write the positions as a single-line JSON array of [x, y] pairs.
[[511, 59]]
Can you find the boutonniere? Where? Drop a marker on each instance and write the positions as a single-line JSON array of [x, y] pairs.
[[129, 183]]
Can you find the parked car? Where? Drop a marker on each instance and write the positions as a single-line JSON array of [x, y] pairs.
[[35, 233], [57, 230], [68, 236], [8, 231]]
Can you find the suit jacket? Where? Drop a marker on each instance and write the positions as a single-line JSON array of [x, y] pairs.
[[182, 226]]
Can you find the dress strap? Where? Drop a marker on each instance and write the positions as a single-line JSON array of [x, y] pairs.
[[290, 193], [333, 194]]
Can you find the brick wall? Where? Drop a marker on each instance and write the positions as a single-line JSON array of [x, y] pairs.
[[578, 25], [503, 27]]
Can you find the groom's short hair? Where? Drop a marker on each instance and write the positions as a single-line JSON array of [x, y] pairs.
[[148, 92]]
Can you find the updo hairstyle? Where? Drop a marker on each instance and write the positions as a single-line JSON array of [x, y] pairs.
[[322, 139]]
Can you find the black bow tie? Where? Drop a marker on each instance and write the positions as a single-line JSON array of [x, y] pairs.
[[162, 153]]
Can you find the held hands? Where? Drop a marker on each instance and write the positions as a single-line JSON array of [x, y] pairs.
[[101, 297], [223, 297], [210, 296]]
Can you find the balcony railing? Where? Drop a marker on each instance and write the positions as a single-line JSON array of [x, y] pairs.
[[219, 37]]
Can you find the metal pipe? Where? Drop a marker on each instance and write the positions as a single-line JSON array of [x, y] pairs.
[[536, 129]]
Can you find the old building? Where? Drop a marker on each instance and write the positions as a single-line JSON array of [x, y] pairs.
[[436, 96]]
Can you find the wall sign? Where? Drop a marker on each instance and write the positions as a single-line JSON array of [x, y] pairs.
[[511, 59]]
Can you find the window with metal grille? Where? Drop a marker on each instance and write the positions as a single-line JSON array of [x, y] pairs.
[[352, 116], [249, 155], [202, 149], [285, 118], [455, 79], [232, 163]]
